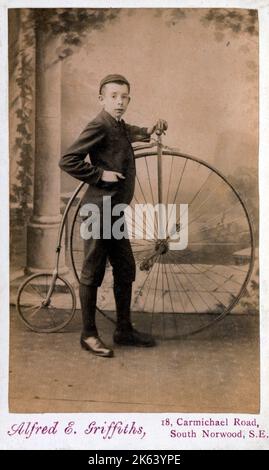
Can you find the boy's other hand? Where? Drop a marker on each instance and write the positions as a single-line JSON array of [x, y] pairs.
[[161, 125], [111, 176]]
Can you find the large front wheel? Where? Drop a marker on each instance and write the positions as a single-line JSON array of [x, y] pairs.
[[181, 292]]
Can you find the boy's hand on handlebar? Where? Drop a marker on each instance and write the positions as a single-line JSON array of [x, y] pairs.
[[111, 176], [160, 126]]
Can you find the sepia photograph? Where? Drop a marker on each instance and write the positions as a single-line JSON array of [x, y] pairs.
[[134, 210]]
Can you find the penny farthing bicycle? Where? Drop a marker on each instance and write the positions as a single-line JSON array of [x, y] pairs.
[[178, 292]]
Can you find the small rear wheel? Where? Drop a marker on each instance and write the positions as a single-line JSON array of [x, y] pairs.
[[43, 313]]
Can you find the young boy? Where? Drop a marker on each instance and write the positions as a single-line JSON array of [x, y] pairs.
[[107, 139]]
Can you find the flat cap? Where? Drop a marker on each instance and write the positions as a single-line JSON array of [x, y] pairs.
[[113, 78]]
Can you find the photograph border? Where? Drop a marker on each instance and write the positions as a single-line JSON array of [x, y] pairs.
[[157, 436]]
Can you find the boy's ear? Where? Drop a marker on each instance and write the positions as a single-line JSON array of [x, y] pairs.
[[101, 98]]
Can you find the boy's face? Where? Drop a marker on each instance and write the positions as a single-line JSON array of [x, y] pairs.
[[115, 99]]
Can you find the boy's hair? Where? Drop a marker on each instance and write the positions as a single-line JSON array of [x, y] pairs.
[[114, 78]]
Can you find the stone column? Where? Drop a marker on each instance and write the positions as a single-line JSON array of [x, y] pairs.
[[44, 224]]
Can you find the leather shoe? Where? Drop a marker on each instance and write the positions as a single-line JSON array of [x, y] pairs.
[[133, 338], [96, 346]]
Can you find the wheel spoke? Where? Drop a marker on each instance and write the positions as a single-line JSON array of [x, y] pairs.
[[138, 223], [169, 182], [145, 201], [220, 225], [42, 316], [149, 287], [140, 250], [163, 293], [177, 190], [141, 219], [195, 289], [156, 287], [151, 191], [35, 309], [204, 201], [182, 287], [214, 218], [227, 278], [192, 200], [211, 293], [169, 290], [36, 291], [143, 285]]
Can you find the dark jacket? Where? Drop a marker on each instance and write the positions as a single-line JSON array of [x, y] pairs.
[[108, 144]]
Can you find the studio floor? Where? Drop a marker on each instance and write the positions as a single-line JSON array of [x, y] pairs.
[[214, 371]]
